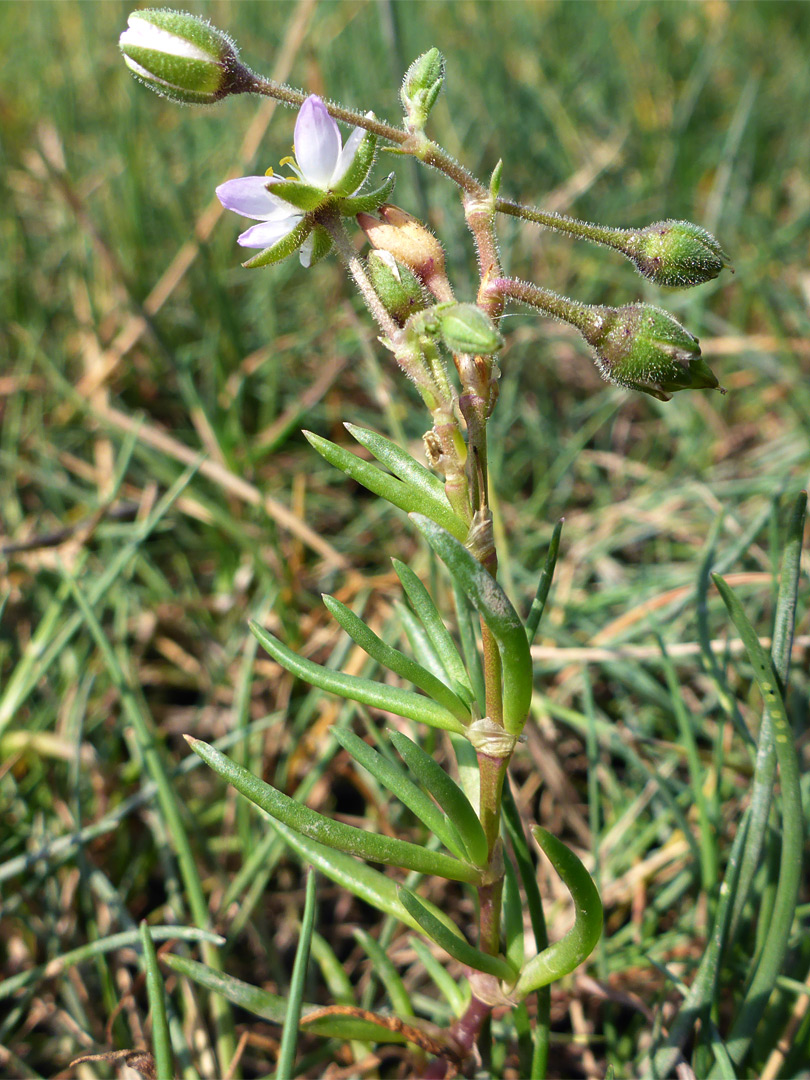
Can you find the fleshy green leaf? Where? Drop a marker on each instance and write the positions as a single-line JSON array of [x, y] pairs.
[[398, 783], [400, 463], [396, 661], [456, 947], [512, 917], [270, 1006], [386, 972], [368, 692], [362, 880], [447, 794], [401, 493], [346, 838], [568, 953], [497, 612], [439, 635]]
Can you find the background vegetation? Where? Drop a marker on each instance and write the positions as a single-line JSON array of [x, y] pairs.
[[135, 348]]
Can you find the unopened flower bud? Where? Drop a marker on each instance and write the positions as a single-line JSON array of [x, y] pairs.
[[644, 348], [465, 328], [675, 253], [411, 243], [397, 286], [420, 87], [183, 57]]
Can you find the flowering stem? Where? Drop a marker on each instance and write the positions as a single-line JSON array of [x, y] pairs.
[[586, 318], [585, 230], [414, 143], [332, 222]]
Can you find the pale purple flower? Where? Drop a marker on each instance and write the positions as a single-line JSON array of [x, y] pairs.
[[321, 161]]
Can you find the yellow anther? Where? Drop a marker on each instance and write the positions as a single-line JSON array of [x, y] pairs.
[[269, 172], [287, 161]]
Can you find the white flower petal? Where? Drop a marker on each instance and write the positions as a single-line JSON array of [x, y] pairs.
[[267, 233], [248, 196], [317, 142], [347, 156], [145, 35], [305, 254]]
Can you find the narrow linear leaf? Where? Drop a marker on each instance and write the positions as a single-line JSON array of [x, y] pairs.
[[399, 784], [468, 633], [270, 1006], [447, 794], [400, 493], [289, 1034], [456, 947], [790, 864], [543, 586], [363, 881], [389, 698], [399, 462], [452, 992], [497, 612], [568, 953], [428, 615], [161, 1040], [421, 645], [395, 660], [335, 834], [512, 917]]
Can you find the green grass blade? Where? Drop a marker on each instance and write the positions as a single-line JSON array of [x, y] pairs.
[[444, 982], [398, 492], [346, 838], [126, 939], [543, 586], [386, 972], [437, 632], [395, 660], [447, 794], [494, 606], [289, 1034], [568, 953], [161, 1041], [270, 1006], [366, 691], [775, 946], [456, 947], [398, 783], [781, 648]]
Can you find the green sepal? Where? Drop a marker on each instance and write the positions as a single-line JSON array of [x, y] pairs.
[[395, 779], [456, 947], [360, 166], [303, 197], [322, 245], [388, 850], [282, 248], [366, 691], [272, 1007], [395, 660], [367, 204], [568, 953], [439, 635], [494, 606], [447, 794], [400, 492], [179, 78]]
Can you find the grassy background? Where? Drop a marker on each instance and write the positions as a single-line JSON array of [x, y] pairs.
[[133, 343]]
